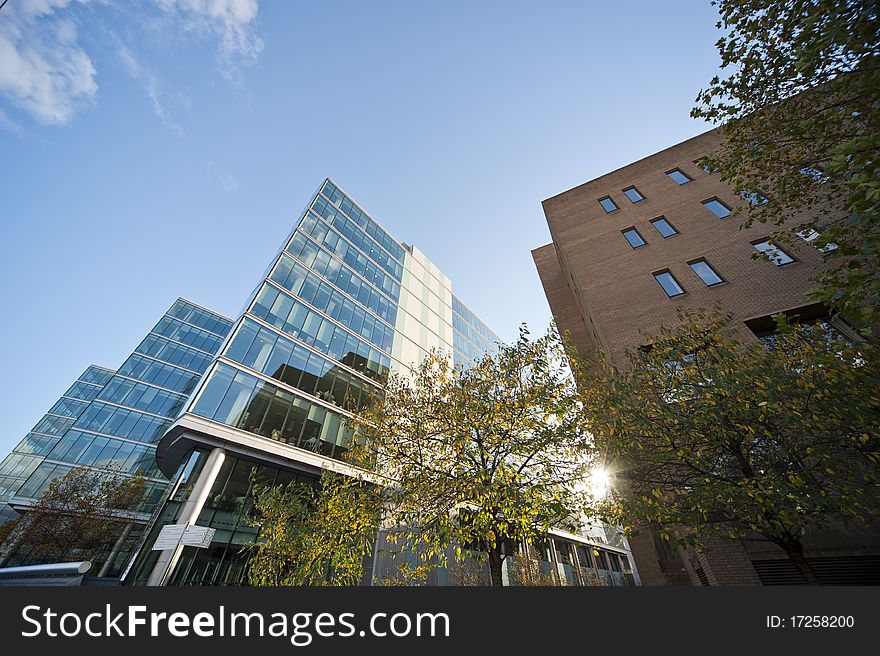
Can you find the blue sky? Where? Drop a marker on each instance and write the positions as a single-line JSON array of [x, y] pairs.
[[160, 149]]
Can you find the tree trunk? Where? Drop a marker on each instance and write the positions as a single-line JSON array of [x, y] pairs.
[[795, 552], [495, 566]]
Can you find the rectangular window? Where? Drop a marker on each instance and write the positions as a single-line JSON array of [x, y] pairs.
[[814, 173], [608, 205], [664, 227], [633, 237], [707, 274], [678, 176], [815, 321], [669, 283], [775, 254], [633, 194], [703, 163], [753, 197], [717, 208], [810, 235]]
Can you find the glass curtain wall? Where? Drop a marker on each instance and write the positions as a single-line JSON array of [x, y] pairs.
[[317, 337], [340, 307], [228, 509], [27, 455], [118, 424]]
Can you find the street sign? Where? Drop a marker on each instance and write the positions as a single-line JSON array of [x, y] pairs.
[[198, 536], [169, 537], [173, 535]]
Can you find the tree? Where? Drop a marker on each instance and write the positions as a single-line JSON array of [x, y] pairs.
[[801, 126], [705, 436], [313, 536], [78, 516], [477, 460], [530, 571]]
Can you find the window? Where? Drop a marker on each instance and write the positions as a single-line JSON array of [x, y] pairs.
[[664, 227], [669, 283], [633, 194], [753, 197], [608, 205], [775, 254], [703, 163], [814, 316], [633, 237], [717, 208], [815, 174], [678, 176], [810, 235], [707, 274]]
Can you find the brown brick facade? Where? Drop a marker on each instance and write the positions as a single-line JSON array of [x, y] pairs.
[[602, 291], [612, 283]]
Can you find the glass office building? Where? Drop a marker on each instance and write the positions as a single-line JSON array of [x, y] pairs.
[[110, 421], [341, 305], [27, 455]]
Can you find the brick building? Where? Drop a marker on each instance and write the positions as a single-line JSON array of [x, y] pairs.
[[632, 247]]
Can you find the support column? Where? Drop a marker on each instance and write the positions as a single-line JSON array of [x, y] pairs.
[[189, 514], [115, 551]]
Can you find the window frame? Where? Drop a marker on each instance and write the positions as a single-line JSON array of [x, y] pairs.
[[678, 169], [635, 230], [715, 199], [675, 231], [764, 326], [611, 200], [809, 235], [635, 189], [767, 240], [754, 199], [721, 280], [668, 272], [702, 164]]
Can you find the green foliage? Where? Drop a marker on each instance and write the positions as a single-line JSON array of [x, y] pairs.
[[705, 435], [481, 458], [7, 528], [78, 517], [801, 117], [310, 536], [529, 571], [408, 574]]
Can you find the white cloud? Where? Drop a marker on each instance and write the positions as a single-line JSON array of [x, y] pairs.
[[8, 124], [232, 22], [156, 95], [127, 58], [45, 71], [42, 69], [153, 86]]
